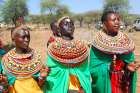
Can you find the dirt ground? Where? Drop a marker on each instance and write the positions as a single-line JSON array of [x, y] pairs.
[[39, 38]]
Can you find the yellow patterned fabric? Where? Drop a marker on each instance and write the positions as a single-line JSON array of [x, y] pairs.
[[24, 85], [118, 44]]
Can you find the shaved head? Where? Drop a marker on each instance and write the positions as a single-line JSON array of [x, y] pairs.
[[21, 38], [18, 30]]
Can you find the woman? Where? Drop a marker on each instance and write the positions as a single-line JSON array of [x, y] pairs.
[[67, 60], [3, 79], [55, 32], [112, 64], [2, 50], [22, 65]]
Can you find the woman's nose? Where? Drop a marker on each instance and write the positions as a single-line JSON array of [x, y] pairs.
[[117, 22], [26, 39]]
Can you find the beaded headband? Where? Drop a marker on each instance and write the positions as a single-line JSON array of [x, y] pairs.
[[62, 18]]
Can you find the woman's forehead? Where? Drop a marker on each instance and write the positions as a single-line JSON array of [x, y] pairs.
[[22, 32], [112, 15], [67, 20]]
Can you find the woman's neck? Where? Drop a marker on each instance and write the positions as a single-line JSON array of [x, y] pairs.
[[110, 33], [23, 51], [67, 37]]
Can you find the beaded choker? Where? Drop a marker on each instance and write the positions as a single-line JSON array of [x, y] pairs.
[[22, 65], [119, 44], [69, 53]]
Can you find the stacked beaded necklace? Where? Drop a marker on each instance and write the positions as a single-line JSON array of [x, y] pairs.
[[119, 44], [22, 65], [70, 53]]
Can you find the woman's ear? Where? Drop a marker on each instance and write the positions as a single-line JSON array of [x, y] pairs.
[[13, 40], [104, 27], [12, 37]]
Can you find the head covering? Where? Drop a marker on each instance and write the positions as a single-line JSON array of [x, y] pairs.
[[62, 18], [119, 44]]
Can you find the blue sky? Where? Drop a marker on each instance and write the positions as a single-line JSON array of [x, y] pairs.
[[1, 1], [80, 6]]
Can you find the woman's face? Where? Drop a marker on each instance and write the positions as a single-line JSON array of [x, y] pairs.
[[22, 39], [54, 28], [67, 27], [112, 23]]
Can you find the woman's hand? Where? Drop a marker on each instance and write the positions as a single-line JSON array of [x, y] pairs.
[[44, 72], [3, 78], [4, 82], [133, 66]]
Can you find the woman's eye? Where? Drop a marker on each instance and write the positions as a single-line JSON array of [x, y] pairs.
[[66, 23]]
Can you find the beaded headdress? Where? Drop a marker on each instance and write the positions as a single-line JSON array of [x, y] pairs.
[[64, 17]]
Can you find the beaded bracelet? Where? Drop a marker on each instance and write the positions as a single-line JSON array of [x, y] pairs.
[[3, 87], [41, 78]]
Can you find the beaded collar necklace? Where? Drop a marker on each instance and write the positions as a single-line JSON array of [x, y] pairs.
[[119, 44], [70, 53], [22, 65]]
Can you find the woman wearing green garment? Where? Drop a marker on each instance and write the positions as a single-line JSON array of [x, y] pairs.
[[22, 65], [3, 79], [2, 51], [112, 65], [67, 60]]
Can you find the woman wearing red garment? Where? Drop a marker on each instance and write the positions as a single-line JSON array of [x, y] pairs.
[[112, 65]]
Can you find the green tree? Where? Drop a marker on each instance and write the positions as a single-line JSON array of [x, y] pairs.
[[95, 15], [36, 19], [62, 11], [44, 19], [49, 6], [117, 5], [92, 16], [80, 19], [53, 9], [12, 10], [120, 6], [88, 21]]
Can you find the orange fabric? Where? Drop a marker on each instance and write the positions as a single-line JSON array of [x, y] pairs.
[[74, 83]]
